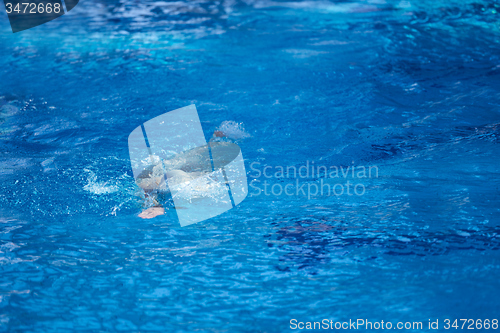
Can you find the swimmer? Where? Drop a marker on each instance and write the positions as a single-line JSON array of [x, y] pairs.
[[151, 182], [182, 168]]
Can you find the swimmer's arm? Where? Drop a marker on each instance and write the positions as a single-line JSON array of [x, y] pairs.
[[154, 211]]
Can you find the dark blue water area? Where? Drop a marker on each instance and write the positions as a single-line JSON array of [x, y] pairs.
[[409, 87]]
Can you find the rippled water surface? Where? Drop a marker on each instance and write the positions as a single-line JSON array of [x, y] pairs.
[[411, 87]]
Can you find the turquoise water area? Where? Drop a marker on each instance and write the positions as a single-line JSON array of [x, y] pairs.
[[411, 87]]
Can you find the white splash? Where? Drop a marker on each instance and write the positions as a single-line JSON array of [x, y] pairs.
[[233, 130], [96, 187]]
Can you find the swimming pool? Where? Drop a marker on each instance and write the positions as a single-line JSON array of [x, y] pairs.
[[411, 88]]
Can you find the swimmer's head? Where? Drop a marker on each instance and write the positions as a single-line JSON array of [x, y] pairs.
[[151, 178]]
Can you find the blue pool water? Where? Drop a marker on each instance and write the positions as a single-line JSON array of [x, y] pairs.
[[411, 87]]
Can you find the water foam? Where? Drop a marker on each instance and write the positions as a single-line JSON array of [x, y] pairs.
[[233, 130], [96, 187]]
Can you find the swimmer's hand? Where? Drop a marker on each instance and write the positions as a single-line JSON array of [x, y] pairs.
[[219, 134], [152, 212]]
